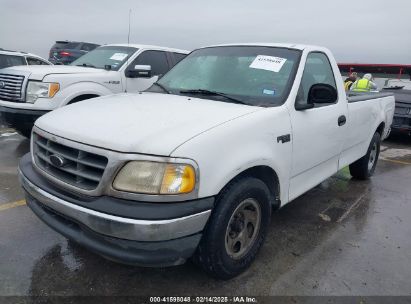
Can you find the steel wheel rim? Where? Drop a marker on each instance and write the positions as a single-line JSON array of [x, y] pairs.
[[373, 156], [243, 228]]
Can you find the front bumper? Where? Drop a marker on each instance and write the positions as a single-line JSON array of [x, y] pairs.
[[20, 118], [144, 242]]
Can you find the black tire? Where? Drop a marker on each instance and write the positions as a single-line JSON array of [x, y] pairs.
[[364, 167], [213, 254]]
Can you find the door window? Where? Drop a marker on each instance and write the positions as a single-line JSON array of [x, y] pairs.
[[156, 59], [35, 61], [317, 70]]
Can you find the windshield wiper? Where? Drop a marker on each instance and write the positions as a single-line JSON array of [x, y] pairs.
[[208, 92], [162, 87], [87, 65]]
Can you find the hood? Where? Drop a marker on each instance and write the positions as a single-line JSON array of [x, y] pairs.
[[38, 72], [148, 123]]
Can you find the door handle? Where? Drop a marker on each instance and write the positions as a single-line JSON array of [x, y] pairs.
[[342, 120]]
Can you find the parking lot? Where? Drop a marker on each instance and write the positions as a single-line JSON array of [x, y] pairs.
[[344, 237]]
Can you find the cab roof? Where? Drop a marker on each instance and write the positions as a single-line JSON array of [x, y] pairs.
[[282, 45], [10, 52], [18, 53], [147, 46]]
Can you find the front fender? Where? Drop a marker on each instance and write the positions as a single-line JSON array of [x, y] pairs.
[[229, 149], [82, 88]]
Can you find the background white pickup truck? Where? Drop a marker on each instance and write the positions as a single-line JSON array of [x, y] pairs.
[[27, 92], [195, 166]]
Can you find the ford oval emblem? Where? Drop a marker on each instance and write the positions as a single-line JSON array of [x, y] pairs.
[[2, 84], [57, 160]]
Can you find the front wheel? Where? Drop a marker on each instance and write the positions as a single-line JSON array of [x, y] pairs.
[[236, 229], [364, 167]]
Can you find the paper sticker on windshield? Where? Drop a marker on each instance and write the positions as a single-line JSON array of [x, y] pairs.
[[118, 56], [268, 92], [268, 63]]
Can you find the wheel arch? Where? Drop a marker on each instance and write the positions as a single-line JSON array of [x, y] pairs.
[[381, 128], [267, 175], [79, 90], [82, 97]]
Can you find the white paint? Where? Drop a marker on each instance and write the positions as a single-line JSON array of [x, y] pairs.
[[149, 123], [353, 207], [225, 139], [75, 81], [317, 144]]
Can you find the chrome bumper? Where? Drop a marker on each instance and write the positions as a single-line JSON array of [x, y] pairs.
[[119, 227]]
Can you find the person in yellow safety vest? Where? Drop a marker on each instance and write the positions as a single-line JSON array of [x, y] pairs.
[[365, 84], [350, 80]]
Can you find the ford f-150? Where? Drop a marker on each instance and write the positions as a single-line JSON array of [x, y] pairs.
[[193, 166], [27, 92]]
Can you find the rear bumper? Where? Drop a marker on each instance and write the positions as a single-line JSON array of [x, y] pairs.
[[401, 123], [144, 242], [20, 118]]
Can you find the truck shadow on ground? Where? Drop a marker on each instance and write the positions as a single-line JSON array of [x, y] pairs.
[[296, 230], [401, 139]]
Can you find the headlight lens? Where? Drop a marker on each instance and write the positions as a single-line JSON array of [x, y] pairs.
[[37, 89], [155, 178]]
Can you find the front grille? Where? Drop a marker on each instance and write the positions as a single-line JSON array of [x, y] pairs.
[[80, 168], [11, 87]]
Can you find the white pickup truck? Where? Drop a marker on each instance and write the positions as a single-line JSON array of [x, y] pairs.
[[194, 166], [27, 92]]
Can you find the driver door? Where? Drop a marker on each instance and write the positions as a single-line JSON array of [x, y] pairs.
[[318, 133], [159, 66]]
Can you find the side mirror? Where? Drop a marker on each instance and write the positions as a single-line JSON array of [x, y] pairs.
[[322, 93], [139, 71]]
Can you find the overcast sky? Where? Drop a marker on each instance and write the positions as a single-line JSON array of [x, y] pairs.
[[365, 31]]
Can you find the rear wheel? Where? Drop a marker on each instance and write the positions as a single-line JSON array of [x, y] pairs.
[[365, 166], [236, 229]]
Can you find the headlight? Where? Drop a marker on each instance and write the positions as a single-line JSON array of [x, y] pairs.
[[155, 178], [37, 89]]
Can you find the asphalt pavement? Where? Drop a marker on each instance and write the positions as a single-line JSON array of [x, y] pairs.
[[344, 237]]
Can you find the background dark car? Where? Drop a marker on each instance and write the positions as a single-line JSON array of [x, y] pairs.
[[65, 52]]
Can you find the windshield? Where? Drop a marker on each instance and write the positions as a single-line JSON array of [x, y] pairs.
[[112, 56], [254, 75], [65, 45]]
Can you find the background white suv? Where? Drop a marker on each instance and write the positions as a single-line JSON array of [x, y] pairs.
[[13, 58]]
